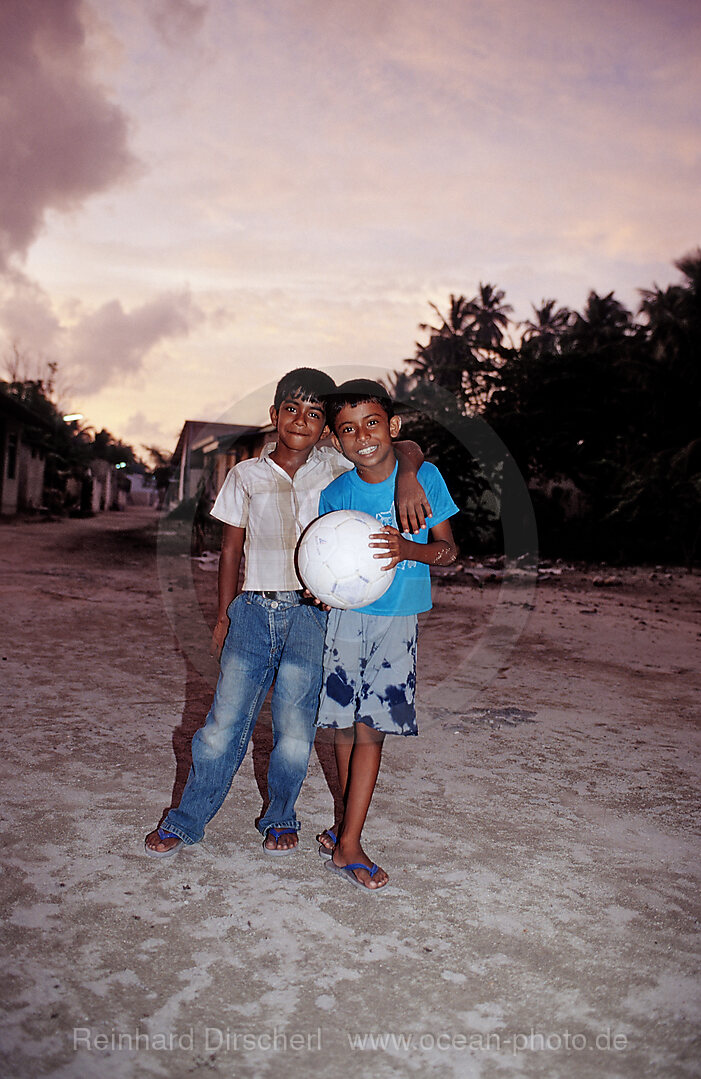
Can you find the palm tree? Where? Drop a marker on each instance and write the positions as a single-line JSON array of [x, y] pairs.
[[674, 314], [605, 320], [449, 353], [673, 317], [549, 323], [690, 266], [463, 349], [490, 317]]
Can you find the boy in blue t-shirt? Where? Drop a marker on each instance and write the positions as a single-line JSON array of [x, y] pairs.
[[369, 677]]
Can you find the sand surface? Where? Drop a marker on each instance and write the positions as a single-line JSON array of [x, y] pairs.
[[541, 836]]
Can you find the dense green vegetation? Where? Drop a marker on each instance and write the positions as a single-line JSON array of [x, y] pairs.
[[69, 447], [599, 409]]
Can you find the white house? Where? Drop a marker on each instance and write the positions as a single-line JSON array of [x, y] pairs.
[[22, 457]]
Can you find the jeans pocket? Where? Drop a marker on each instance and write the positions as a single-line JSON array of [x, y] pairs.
[[317, 616]]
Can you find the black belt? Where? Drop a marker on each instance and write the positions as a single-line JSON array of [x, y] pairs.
[[276, 595]]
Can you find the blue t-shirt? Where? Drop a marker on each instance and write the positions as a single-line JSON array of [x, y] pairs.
[[410, 591]]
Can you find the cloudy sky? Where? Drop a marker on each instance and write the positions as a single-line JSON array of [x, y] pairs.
[[197, 195]]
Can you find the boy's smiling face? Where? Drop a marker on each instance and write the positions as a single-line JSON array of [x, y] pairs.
[[364, 433], [300, 424]]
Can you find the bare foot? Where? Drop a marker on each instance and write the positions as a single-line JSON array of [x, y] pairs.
[[325, 838], [286, 841], [345, 855], [154, 842]]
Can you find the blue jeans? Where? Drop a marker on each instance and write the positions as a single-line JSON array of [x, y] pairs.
[[268, 638]]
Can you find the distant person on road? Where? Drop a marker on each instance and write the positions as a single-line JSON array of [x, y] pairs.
[[369, 679], [268, 631]]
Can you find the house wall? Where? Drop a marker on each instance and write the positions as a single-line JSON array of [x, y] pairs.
[[30, 493], [198, 455], [243, 450], [222, 463], [104, 488], [10, 448], [192, 482], [143, 490]]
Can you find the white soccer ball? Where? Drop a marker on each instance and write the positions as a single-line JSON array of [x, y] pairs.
[[336, 563]]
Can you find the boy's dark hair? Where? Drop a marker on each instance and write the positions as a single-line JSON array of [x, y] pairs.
[[306, 383], [355, 392]]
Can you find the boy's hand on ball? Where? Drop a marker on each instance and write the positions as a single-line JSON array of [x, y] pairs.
[[337, 564], [393, 544], [306, 594]]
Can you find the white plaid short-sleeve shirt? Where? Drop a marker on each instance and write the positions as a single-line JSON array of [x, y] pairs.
[[275, 508]]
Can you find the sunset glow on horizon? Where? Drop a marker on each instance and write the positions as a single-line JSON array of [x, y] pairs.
[[197, 195]]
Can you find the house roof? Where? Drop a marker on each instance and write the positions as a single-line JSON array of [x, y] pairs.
[[12, 406], [226, 441], [195, 432]]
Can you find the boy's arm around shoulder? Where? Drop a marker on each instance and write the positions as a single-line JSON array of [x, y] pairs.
[[228, 582], [413, 506], [441, 549]]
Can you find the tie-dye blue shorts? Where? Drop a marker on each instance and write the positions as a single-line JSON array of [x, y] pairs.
[[369, 672]]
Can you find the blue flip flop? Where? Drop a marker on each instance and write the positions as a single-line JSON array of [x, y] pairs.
[[162, 834], [276, 833], [324, 852], [346, 871]]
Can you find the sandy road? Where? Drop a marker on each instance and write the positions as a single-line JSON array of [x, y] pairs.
[[541, 837]]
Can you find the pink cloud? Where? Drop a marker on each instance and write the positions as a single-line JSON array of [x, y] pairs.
[[27, 318], [93, 348], [110, 342], [62, 139], [177, 20], [143, 427]]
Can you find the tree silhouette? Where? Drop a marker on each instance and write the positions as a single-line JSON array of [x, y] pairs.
[[463, 351], [594, 403], [548, 325], [490, 317]]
